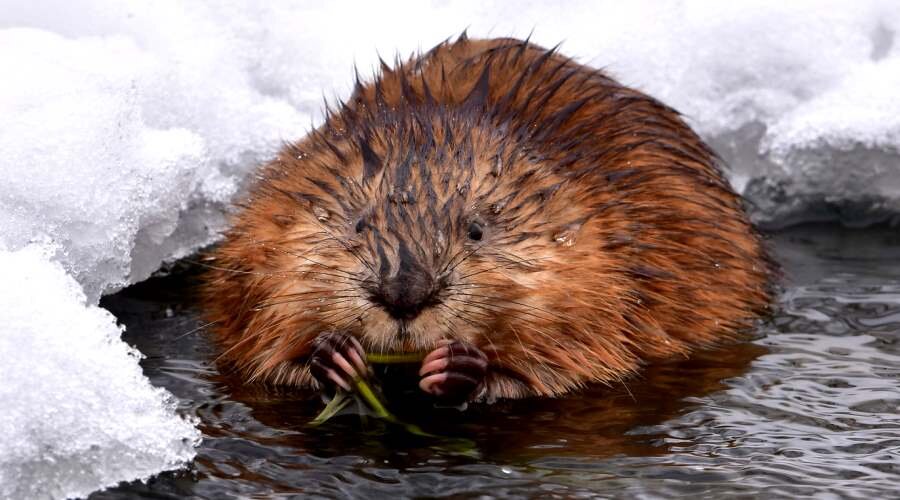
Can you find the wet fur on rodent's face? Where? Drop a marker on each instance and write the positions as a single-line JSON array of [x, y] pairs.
[[608, 236]]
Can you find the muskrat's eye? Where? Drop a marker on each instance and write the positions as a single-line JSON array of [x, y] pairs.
[[360, 225], [475, 231]]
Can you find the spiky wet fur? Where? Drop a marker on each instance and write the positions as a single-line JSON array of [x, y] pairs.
[[610, 237]]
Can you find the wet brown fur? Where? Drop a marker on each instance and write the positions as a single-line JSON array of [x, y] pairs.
[[610, 236]]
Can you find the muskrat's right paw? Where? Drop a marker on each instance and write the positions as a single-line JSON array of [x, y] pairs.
[[337, 360], [454, 372]]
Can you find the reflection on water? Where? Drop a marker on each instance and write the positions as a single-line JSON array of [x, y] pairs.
[[811, 406]]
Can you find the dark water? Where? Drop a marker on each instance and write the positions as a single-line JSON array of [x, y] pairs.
[[811, 407]]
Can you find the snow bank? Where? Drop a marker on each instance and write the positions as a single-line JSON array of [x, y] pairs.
[[128, 126], [108, 148], [77, 413]]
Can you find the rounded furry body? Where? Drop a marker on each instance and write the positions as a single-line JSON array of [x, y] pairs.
[[494, 193]]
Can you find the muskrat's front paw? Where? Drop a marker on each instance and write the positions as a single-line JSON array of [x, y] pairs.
[[337, 359], [453, 372]]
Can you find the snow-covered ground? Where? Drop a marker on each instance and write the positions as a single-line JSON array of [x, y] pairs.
[[127, 126]]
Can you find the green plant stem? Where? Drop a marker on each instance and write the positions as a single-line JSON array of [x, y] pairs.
[[387, 359], [369, 396]]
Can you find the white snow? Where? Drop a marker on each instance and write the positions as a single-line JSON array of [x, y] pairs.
[[77, 412], [126, 127]]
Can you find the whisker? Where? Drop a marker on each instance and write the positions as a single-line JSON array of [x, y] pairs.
[[339, 278], [498, 266], [502, 308], [553, 315], [348, 249], [449, 269], [344, 322], [458, 315], [515, 258], [323, 301], [346, 274], [201, 327], [627, 390], [236, 271], [308, 292]]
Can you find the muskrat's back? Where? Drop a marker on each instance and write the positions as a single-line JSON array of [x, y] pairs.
[[527, 221]]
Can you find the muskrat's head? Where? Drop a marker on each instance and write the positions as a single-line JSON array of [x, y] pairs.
[[417, 231]]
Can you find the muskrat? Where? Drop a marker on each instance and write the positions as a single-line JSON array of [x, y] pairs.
[[528, 222]]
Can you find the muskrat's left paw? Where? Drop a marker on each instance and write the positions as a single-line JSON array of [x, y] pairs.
[[453, 372]]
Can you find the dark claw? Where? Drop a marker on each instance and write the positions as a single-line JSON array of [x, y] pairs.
[[337, 360], [453, 373]]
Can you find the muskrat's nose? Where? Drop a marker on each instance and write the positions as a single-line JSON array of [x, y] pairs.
[[405, 295], [410, 290]]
